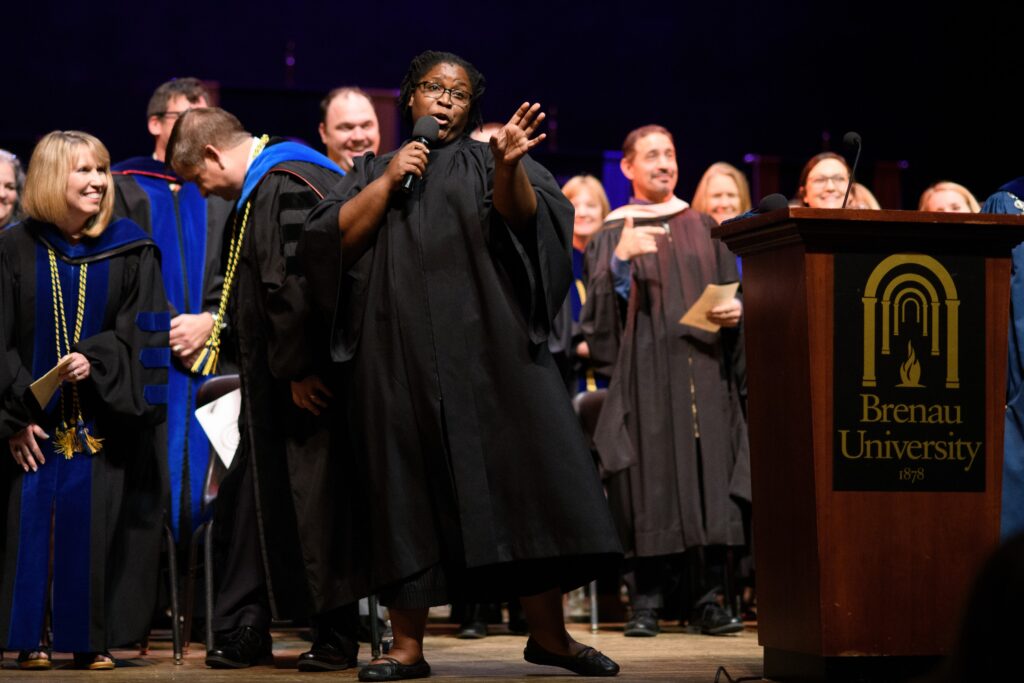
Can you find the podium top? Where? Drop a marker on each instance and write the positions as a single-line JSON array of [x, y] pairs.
[[865, 230]]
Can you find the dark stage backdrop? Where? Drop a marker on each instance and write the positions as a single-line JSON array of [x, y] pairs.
[[929, 89]]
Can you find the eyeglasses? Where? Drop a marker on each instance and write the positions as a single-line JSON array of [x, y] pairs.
[[436, 91], [172, 115], [822, 181]]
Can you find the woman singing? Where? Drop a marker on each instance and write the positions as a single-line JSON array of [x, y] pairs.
[[481, 484]]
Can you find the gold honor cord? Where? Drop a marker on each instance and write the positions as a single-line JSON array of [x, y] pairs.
[[70, 439], [206, 363]]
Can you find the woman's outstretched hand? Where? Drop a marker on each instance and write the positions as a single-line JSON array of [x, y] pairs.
[[513, 140]]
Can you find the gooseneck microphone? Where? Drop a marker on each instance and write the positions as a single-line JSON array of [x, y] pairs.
[[425, 131], [850, 139], [769, 203]]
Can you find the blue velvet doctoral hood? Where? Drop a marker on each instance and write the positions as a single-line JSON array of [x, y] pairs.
[[279, 153], [119, 236]]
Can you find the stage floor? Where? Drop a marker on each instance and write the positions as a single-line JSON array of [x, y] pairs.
[[671, 656]]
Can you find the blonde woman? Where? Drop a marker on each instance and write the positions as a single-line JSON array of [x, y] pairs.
[[722, 192], [590, 204], [81, 301], [950, 197], [862, 198]]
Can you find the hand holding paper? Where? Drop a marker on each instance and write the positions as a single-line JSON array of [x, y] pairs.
[[45, 387], [716, 307], [727, 314]]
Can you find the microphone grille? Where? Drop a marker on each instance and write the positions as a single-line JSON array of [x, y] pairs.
[[426, 127]]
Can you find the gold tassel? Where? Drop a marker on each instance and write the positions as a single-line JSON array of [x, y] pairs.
[[65, 442], [86, 441], [206, 363]]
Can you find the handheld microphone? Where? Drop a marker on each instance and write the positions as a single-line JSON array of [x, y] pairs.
[[850, 139], [771, 202], [425, 131]]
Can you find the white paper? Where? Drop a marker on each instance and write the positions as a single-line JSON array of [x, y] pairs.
[[219, 420], [713, 295]]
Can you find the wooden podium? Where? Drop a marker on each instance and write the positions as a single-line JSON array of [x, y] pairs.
[[876, 365]]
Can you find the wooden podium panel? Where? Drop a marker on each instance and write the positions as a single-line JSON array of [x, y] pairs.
[[850, 576]]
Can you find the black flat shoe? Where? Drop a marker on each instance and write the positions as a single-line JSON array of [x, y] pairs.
[[588, 662], [390, 669]]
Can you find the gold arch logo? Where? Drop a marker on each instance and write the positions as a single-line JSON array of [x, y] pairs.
[[910, 297]]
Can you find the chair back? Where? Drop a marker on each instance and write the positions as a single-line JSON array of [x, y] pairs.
[[210, 391], [587, 405]]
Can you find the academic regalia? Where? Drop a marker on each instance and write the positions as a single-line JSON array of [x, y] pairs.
[[1010, 200], [276, 515], [669, 491], [102, 512], [188, 230], [468, 449], [566, 335]]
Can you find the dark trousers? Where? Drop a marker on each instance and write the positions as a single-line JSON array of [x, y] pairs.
[[241, 589], [690, 576]]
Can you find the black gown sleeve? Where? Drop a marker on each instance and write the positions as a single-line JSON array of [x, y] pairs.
[[217, 212], [543, 248], [340, 296], [17, 408], [279, 212], [119, 376], [132, 202]]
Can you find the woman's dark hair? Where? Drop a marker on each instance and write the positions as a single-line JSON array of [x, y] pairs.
[[424, 62], [801, 189]]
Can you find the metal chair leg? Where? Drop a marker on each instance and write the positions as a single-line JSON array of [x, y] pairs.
[[208, 575], [593, 606], [374, 626], [190, 585], [172, 575], [729, 583]]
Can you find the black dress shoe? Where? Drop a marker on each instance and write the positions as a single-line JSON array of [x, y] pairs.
[[644, 624], [390, 669], [473, 630], [245, 647], [588, 662], [331, 652], [714, 620]]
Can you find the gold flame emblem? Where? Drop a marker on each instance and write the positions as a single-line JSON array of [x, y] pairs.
[[910, 369]]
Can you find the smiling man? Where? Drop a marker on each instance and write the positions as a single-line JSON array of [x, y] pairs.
[[348, 126], [278, 511], [680, 461]]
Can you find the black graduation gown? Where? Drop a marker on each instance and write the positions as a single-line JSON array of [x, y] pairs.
[[293, 455], [101, 507], [666, 498], [460, 421]]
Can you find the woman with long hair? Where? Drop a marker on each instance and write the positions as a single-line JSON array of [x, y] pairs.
[[83, 322]]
